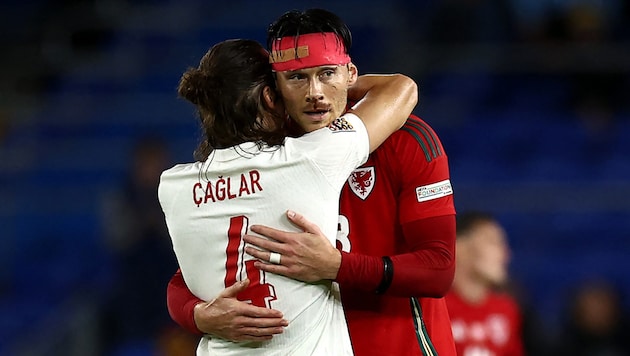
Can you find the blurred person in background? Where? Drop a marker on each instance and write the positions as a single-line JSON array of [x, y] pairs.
[[485, 320], [595, 323], [140, 251], [397, 236]]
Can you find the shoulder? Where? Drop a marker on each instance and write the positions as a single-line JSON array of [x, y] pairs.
[[347, 122], [172, 177], [418, 136], [344, 134], [180, 169]]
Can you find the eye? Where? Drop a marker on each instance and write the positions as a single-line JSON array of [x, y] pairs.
[[296, 76], [328, 74]]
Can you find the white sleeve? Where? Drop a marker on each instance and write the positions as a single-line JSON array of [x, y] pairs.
[[337, 149]]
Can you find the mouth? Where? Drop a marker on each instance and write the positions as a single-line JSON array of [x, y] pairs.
[[317, 114]]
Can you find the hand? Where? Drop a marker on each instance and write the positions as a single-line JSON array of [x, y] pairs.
[[231, 319], [306, 256]]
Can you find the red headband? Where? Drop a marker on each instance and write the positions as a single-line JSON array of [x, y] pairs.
[[306, 51]]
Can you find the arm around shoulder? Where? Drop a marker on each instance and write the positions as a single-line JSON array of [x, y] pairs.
[[386, 102]]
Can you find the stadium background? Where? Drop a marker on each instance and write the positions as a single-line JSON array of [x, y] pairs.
[[529, 98]]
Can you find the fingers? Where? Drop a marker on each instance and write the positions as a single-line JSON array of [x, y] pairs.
[[255, 330], [266, 316], [260, 324], [263, 243], [270, 232], [247, 309], [302, 222], [256, 253], [234, 289], [258, 333], [265, 265], [264, 322], [232, 319], [273, 268], [283, 236]]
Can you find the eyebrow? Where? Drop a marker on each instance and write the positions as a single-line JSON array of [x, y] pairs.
[[320, 68]]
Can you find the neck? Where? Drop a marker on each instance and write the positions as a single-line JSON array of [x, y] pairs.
[[469, 289]]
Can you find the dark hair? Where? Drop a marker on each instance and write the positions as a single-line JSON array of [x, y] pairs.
[[227, 89], [469, 220], [295, 23]]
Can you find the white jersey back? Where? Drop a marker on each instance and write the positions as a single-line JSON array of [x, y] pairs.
[[209, 206]]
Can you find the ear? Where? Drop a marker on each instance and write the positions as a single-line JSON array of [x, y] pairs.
[[270, 97], [353, 74]]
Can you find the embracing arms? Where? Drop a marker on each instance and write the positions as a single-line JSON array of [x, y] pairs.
[[392, 96], [426, 270], [225, 316]]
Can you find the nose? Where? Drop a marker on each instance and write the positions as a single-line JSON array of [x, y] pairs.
[[315, 92]]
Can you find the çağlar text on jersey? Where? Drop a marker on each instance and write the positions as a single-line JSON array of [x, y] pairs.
[[226, 188]]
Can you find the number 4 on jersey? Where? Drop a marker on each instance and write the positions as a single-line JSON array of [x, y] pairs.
[[259, 293]]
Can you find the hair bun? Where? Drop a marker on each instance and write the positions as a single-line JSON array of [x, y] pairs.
[[195, 86]]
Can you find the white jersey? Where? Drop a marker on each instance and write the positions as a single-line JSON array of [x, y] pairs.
[[210, 205]]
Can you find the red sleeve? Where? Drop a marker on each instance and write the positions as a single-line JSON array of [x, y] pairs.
[[360, 272], [427, 271], [181, 303]]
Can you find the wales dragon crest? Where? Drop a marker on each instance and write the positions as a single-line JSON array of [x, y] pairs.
[[361, 181]]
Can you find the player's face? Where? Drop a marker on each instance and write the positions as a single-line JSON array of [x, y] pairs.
[[315, 96], [490, 253]]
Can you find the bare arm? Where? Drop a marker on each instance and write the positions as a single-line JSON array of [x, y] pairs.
[[391, 96]]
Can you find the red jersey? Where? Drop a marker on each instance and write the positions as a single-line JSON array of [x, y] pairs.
[[405, 180], [490, 328]]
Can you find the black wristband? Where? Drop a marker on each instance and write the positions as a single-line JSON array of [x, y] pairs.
[[388, 275]]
